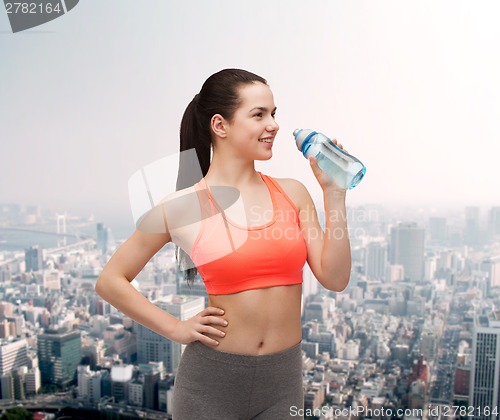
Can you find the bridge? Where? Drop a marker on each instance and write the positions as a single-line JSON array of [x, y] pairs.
[[44, 232]]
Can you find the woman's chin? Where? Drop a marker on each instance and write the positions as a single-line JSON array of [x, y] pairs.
[[265, 157]]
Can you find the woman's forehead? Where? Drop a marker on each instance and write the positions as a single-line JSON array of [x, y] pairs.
[[255, 95]]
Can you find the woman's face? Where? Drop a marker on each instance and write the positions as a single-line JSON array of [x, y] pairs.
[[253, 127]]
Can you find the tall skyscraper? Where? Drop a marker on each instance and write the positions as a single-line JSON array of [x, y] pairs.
[[471, 230], [33, 257], [105, 239], [407, 249], [13, 355], [484, 385], [376, 260], [59, 354], [152, 347], [491, 266], [494, 221]]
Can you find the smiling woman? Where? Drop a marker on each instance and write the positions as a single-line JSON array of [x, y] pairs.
[[243, 357]]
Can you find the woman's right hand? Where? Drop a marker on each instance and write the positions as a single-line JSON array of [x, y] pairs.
[[194, 328]]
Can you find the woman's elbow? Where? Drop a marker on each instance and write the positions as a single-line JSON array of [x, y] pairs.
[[100, 285], [341, 284], [336, 283]]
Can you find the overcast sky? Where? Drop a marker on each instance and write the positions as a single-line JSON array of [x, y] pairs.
[[410, 88]]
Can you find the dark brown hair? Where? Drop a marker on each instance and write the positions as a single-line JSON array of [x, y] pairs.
[[218, 95]]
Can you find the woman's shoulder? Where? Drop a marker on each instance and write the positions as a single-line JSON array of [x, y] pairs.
[[176, 197], [181, 206], [295, 189], [289, 184]]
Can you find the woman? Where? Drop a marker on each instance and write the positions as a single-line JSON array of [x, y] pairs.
[[243, 359]]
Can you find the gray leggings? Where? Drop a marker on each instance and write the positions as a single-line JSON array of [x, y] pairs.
[[215, 385]]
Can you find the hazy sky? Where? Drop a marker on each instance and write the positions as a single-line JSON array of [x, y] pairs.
[[410, 88]]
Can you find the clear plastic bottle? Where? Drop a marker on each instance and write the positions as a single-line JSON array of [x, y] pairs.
[[345, 170]]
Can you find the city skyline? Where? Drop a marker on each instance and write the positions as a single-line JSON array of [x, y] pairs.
[[401, 336]]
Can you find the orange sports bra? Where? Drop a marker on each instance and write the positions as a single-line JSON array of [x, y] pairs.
[[232, 258]]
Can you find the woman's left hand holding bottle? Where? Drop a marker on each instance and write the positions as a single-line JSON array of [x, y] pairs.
[[326, 183]]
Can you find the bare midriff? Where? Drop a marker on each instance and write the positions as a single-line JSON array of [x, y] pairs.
[[260, 321]]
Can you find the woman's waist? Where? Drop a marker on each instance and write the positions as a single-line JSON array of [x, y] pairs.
[[260, 321], [288, 355], [256, 339]]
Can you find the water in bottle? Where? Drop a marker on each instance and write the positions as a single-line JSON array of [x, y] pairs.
[[345, 170]]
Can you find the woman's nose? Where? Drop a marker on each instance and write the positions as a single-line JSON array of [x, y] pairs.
[[273, 126]]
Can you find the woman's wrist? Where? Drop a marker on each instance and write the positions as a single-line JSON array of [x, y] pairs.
[[169, 326], [335, 191]]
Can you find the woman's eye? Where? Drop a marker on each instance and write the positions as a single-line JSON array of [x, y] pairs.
[[273, 115], [259, 114]]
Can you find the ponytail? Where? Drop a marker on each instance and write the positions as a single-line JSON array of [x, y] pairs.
[[193, 136]]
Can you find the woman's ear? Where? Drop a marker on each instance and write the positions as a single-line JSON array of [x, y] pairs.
[[219, 126]]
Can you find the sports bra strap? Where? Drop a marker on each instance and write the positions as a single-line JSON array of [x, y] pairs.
[[208, 209], [283, 193], [206, 206]]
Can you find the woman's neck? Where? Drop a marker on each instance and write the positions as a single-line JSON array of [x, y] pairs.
[[232, 172]]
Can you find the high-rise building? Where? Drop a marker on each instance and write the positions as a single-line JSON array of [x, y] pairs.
[[407, 249], [494, 221], [485, 367], [376, 260], [152, 347], [89, 383], [428, 345], [19, 383], [471, 230], [461, 387], [430, 266], [7, 387], [152, 373], [136, 393], [13, 355], [105, 239], [33, 381], [121, 377], [33, 257], [59, 354], [491, 266], [4, 329]]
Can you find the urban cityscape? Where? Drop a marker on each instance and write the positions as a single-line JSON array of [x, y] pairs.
[[415, 335]]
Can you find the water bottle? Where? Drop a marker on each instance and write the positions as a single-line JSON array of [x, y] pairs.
[[345, 170]]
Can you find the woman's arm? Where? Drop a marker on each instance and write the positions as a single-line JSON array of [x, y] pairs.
[[113, 285], [329, 251]]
